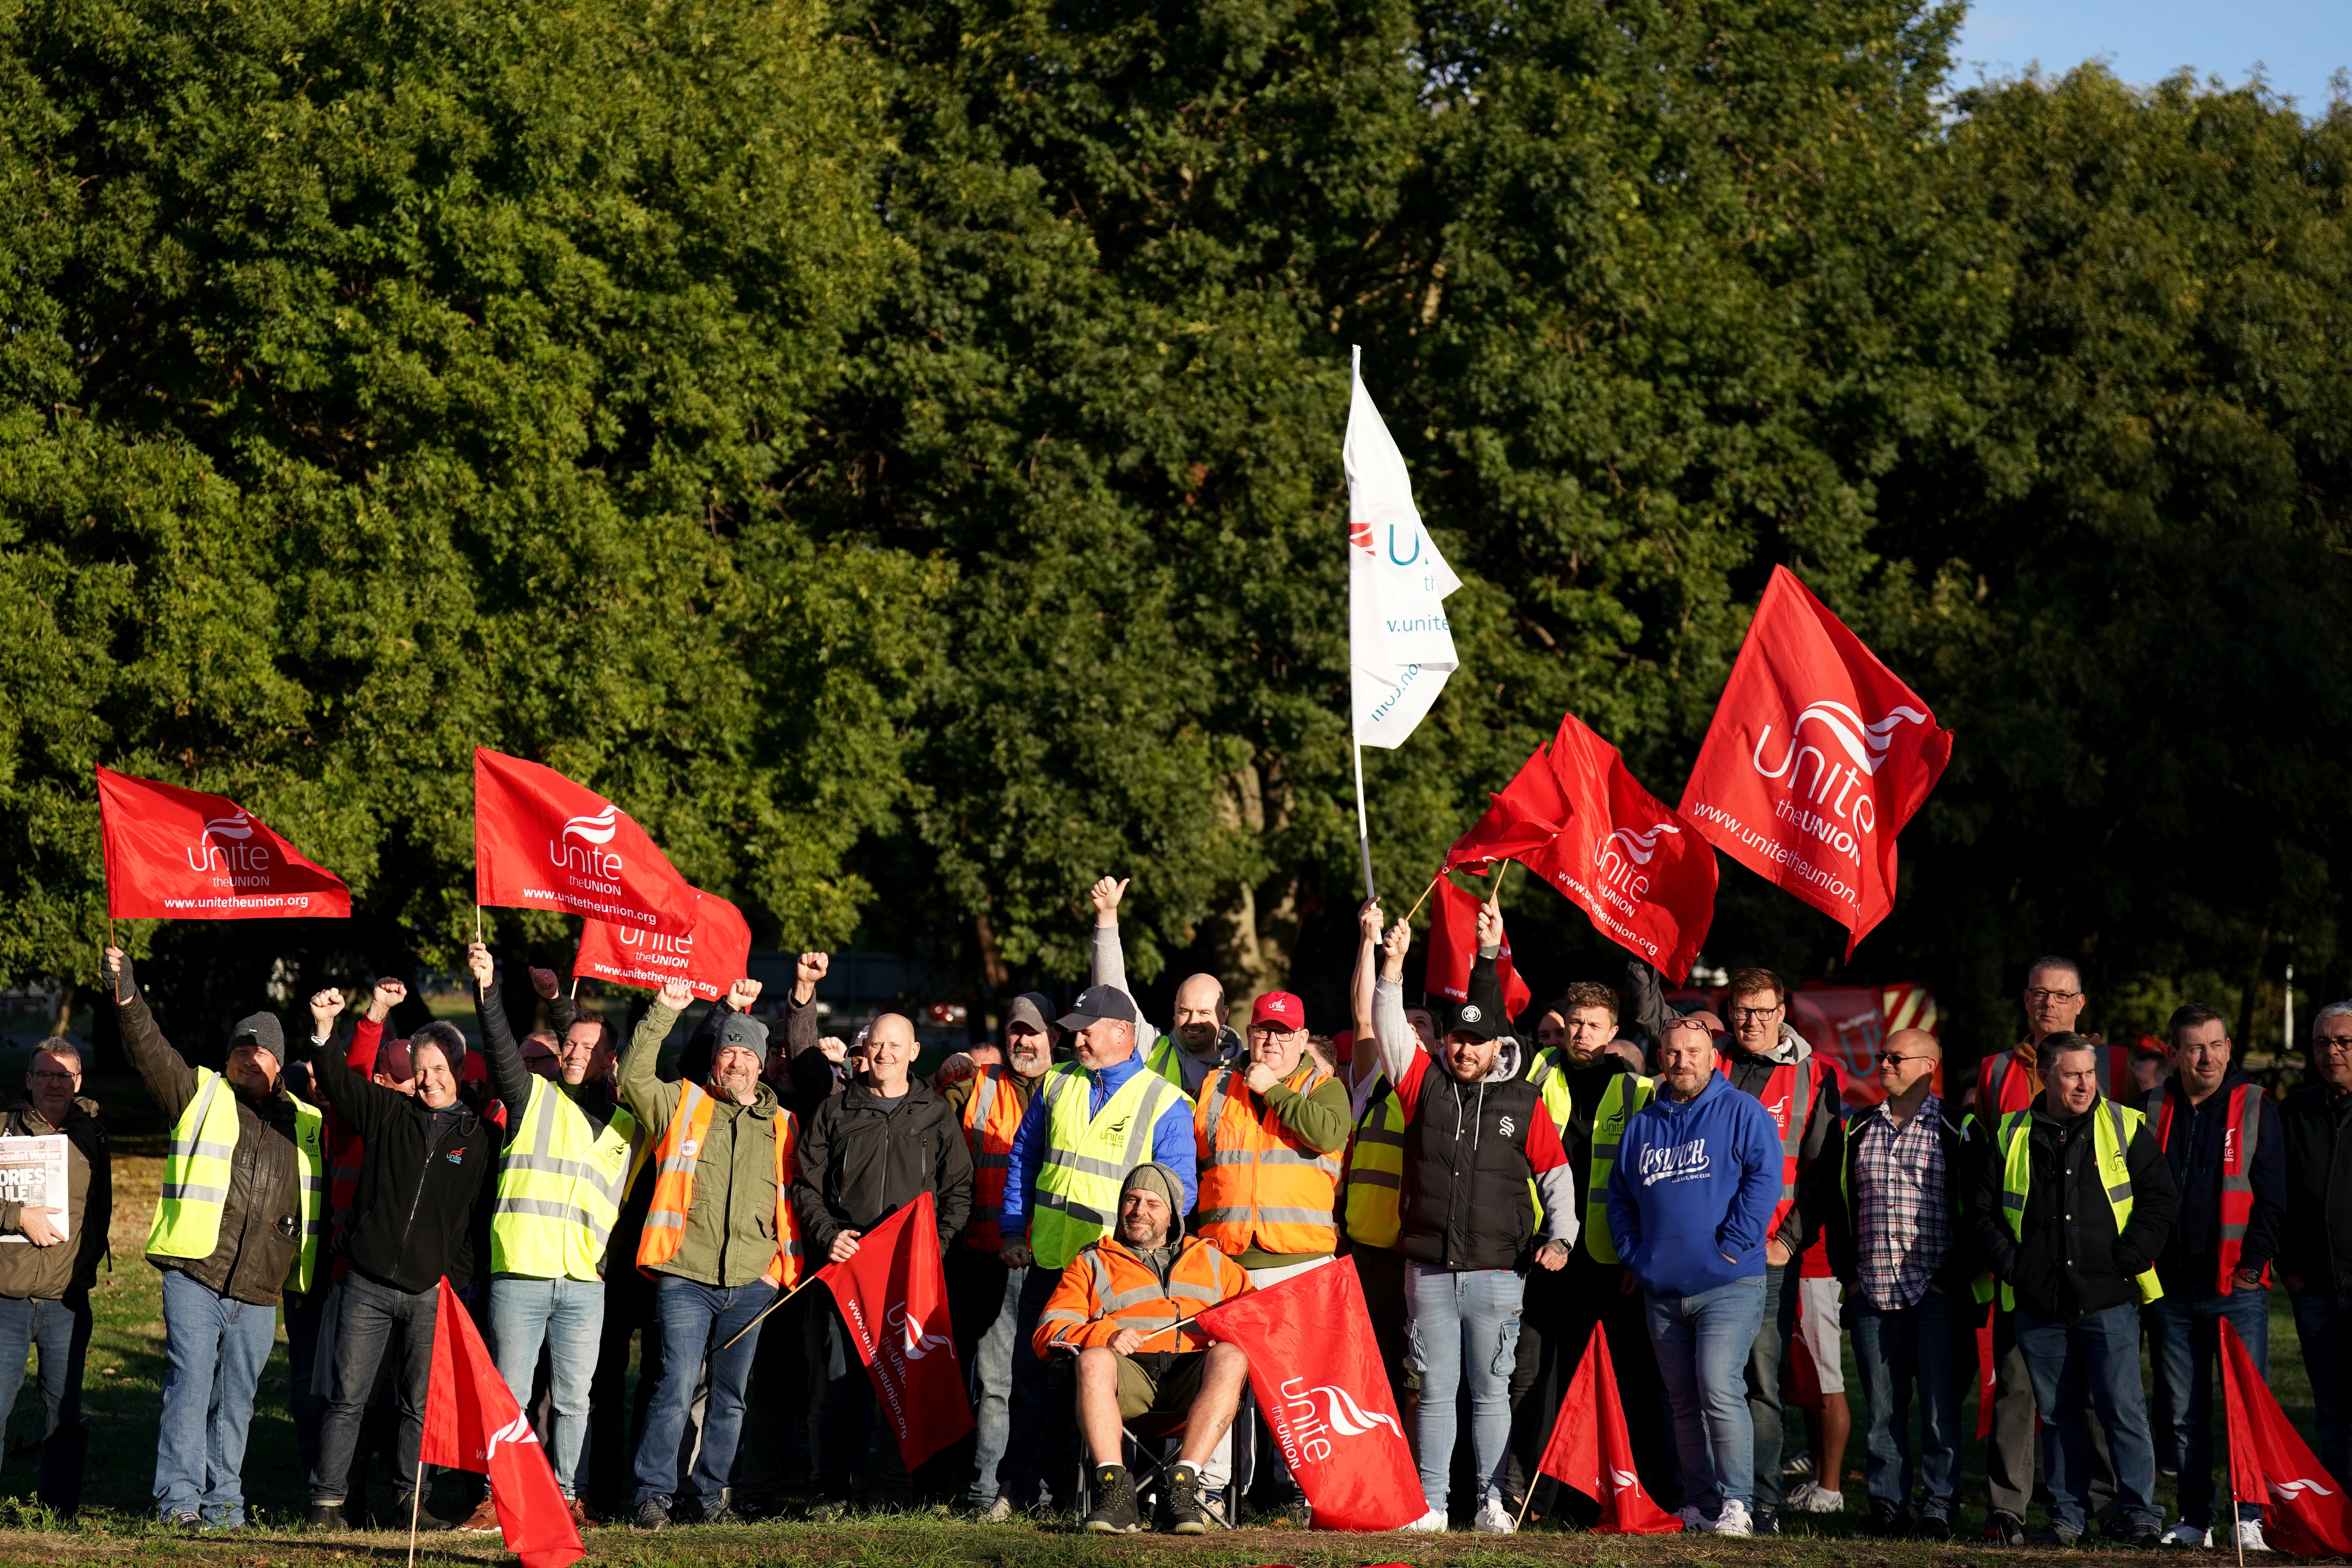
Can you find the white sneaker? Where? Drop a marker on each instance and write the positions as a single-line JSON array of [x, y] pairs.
[[1494, 1519], [1433, 1521], [1694, 1521], [1734, 1521], [2250, 1535], [2186, 1534], [1814, 1498]]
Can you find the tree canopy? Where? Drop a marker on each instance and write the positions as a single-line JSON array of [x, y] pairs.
[[893, 452]]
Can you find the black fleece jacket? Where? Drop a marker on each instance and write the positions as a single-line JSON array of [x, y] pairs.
[[422, 1173], [2069, 1260], [862, 1157]]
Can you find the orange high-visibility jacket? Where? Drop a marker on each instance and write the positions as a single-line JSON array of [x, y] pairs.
[[1107, 1289], [680, 1151], [1259, 1178], [991, 1117]]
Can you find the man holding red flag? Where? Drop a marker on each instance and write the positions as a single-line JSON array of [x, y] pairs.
[[866, 1153], [1123, 1305], [1816, 759]]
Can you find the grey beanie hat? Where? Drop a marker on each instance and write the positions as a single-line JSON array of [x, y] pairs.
[[744, 1031], [1158, 1178], [264, 1030]]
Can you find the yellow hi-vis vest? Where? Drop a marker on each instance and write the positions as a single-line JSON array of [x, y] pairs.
[[561, 1187], [197, 1177], [1086, 1158], [1549, 1078], [1375, 1176], [2111, 1137]]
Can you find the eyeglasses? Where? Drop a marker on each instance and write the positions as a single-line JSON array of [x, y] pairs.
[[54, 1076], [1885, 1059], [2330, 1043], [2039, 996], [1744, 1014]]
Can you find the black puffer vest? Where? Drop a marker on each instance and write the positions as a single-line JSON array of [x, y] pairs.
[[1467, 1202]]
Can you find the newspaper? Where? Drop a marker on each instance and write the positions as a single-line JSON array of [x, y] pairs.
[[33, 1171]]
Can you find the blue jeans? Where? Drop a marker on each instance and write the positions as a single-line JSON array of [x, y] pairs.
[[2323, 1322], [695, 1321], [50, 1325], [2187, 1340], [1703, 1344], [568, 1317], [1929, 1346], [1463, 1324], [2097, 1353], [216, 1347]]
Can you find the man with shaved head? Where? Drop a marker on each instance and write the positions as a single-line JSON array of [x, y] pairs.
[[867, 1153], [1907, 1262], [1201, 1041]]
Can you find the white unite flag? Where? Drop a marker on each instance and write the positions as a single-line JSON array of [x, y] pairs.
[[1400, 645]]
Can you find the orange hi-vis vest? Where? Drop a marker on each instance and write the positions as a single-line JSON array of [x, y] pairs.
[[2002, 1086], [679, 1153], [1259, 1178], [2239, 1136], [1789, 1110], [991, 1117], [1107, 1289]]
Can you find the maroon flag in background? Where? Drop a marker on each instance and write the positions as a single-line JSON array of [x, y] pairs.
[[1454, 948], [182, 854], [472, 1423], [2270, 1463], [716, 955], [1633, 863], [1591, 1450], [894, 1296], [1817, 757], [1324, 1396], [1520, 823], [541, 842]]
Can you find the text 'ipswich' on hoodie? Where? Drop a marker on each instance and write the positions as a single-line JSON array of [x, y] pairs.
[[1694, 1189]]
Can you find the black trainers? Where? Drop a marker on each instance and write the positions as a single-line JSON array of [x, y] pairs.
[[1114, 1511], [1934, 1527], [1180, 1513], [1766, 1522], [1889, 1521], [2059, 1537], [325, 1516], [426, 1519], [651, 1514], [2005, 1529]]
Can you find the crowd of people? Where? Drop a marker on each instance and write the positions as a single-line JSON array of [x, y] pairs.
[[1694, 1188]]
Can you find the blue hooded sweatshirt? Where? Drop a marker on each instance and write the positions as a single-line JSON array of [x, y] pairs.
[[1694, 1189]]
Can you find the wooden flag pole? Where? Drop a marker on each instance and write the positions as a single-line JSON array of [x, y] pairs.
[[770, 1307], [416, 1502], [1422, 900]]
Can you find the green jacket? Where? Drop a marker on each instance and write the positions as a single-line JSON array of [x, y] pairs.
[[730, 1230]]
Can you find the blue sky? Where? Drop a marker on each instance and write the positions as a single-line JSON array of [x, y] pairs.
[[2297, 42]]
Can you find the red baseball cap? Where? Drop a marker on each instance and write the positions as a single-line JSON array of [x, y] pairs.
[[1279, 1007]]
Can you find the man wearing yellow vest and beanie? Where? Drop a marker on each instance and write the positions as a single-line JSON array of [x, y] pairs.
[[568, 1162], [2072, 1204], [719, 1241], [237, 1224]]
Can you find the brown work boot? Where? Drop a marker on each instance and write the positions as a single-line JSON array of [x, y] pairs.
[[483, 1521], [584, 1518]]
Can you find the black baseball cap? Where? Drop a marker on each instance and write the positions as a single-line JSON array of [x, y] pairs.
[[1096, 1002], [1475, 1019]]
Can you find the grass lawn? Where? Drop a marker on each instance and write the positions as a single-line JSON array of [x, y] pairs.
[[124, 1383]]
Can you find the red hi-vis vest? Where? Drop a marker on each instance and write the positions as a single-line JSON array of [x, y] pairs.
[[991, 1117], [679, 1153], [2004, 1087], [2238, 1138], [1789, 1110]]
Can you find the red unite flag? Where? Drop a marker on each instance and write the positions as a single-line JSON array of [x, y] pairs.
[[1322, 1391], [182, 854], [893, 1294], [1454, 948], [1595, 1457], [541, 842], [1817, 757], [2269, 1463], [472, 1423], [1634, 864], [716, 955], [1520, 823]]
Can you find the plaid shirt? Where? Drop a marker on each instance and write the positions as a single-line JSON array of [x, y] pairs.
[[1904, 1228]]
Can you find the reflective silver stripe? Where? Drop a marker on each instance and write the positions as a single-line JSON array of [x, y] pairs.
[[1271, 1215], [544, 1208], [1223, 1078], [184, 1193], [2012, 1200], [983, 1100], [205, 1151], [1086, 1164], [1283, 1154], [1061, 1315], [664, 1219], [1191, 1292], [2117, 1195], [1230, 1157], [1077, 1212], [1100, 1273], [1223, 1217]]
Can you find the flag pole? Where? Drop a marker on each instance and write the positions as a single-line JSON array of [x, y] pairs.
[[416, 1502], [1424, 899], [1363, 825], [772, 1307]]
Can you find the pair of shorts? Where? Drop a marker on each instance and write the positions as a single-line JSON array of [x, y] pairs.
[[1168, 1390], [1818, 1332]]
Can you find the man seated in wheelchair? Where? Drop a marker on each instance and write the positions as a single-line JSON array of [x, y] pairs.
[[1122, 1309]]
